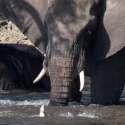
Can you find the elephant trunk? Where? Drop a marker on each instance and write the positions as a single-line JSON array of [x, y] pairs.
[[62, 72], [61, 85], [60, 91], [62, 67]]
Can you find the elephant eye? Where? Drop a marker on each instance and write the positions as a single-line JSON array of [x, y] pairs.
[[89, 32], [45, 26]]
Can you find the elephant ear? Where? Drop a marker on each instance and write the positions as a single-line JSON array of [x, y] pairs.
[[28, 15]]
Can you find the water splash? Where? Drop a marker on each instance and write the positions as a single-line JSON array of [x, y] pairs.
[[5, 113], [87, 115], [81, 114], [21, 103], [68, 115]]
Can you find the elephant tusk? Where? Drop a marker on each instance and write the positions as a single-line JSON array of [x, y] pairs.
[[81, 76], [41, 74], [41, 51], [42, 111]]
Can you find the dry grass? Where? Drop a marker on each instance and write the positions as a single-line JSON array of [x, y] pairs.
[[9, 33]]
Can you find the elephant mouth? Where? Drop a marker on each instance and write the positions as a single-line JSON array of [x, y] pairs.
[[81, 77]]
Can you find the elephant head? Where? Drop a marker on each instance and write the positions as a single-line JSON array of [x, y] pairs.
[[70, 25]]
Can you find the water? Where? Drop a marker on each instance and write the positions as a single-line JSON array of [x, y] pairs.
[[21, 107]]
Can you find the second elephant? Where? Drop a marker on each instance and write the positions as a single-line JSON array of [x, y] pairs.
[[19, 65]]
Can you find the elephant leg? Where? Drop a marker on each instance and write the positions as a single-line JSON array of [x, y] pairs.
[[108, 79]]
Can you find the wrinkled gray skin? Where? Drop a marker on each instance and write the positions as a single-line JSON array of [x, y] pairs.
[[108, 75], [71, 25], [19, 65], [108, 79]]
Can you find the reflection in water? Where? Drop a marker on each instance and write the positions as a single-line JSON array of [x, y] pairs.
[[22, 108]]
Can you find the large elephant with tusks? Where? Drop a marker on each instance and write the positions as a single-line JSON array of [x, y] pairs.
[[70, 26]]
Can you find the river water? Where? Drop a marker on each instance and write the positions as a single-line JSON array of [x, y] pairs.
[[19, 107]]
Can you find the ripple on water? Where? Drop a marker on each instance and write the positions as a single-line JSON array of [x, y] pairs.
[[82, 114], [25, 102], [87, 115], [23, 108], [68, 115]]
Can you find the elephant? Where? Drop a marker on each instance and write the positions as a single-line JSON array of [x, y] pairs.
[[65, 29], [19, 65], [65, 53], [77, 36]]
